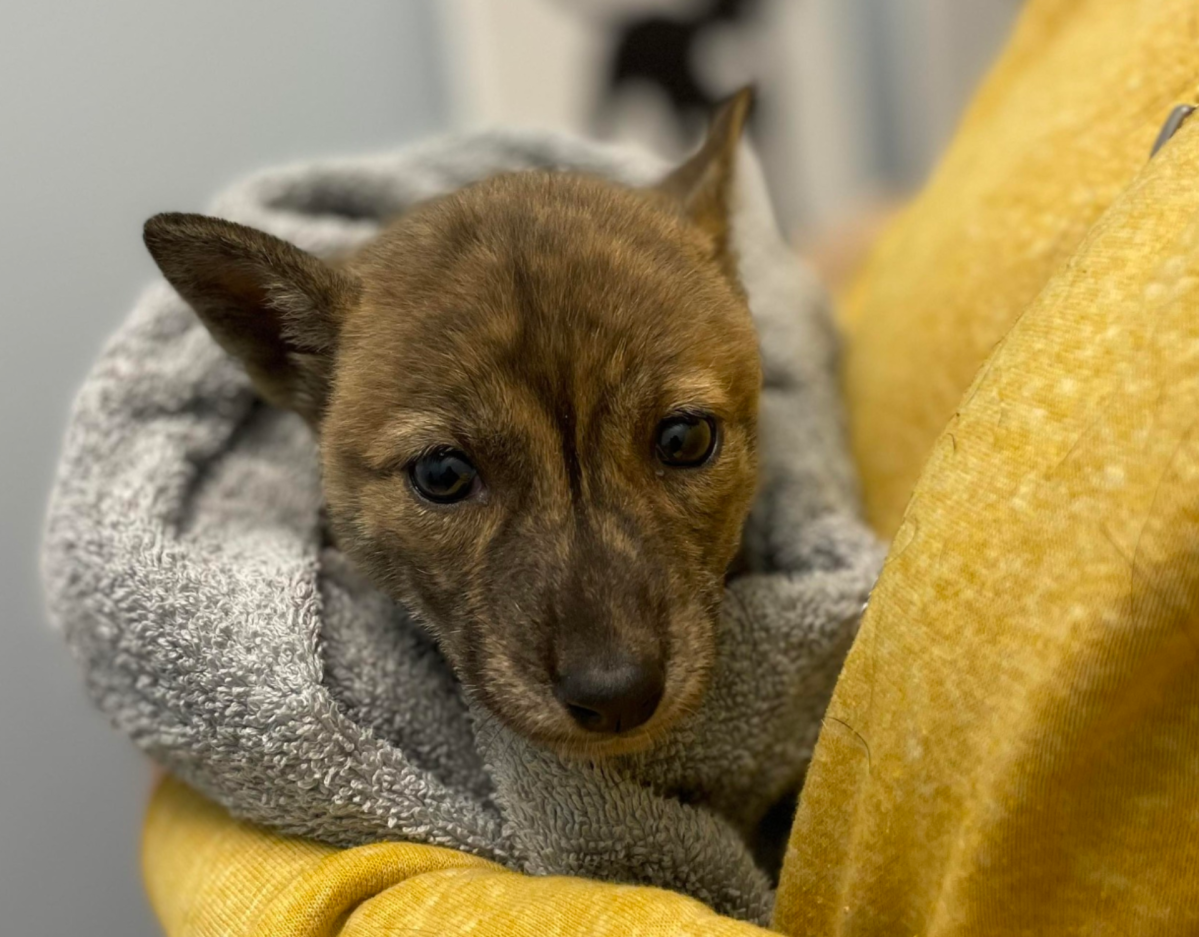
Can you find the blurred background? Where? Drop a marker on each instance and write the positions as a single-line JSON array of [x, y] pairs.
[[111, 112]]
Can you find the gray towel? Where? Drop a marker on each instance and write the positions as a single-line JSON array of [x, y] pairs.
[[185, 565]]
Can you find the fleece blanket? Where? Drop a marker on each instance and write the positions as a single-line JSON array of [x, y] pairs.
[[185, 565]]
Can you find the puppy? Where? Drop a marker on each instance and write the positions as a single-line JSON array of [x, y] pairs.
[[536, 400]]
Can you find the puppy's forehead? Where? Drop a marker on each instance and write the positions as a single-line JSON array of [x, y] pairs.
[[572, 288], [544, 245]]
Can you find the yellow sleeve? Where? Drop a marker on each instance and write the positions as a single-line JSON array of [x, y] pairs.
[[208, 875], [1061, 127], [1011, 748]]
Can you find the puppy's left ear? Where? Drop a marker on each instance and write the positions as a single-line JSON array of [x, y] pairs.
[[703, 185]]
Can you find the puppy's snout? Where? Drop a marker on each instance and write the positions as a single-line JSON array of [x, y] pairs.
[[606, 696]]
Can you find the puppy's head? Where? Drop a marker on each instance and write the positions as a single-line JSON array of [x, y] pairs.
[[536, 400]]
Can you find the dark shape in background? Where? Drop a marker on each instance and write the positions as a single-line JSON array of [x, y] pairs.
[[660, 51]]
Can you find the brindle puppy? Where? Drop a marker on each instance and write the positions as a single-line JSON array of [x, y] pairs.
[[536, 399]]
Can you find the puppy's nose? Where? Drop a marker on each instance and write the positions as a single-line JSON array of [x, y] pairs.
[[610, 697]]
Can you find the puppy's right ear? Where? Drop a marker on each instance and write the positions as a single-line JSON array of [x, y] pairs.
[[271, 305]]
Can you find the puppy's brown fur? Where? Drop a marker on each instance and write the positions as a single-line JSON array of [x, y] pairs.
[[545, 324]]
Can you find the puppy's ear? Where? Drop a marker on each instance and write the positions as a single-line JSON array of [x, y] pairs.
[[271, 305], [703, 185]]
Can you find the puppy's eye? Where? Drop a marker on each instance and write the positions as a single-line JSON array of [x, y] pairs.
[[686, 440], [443, 476]]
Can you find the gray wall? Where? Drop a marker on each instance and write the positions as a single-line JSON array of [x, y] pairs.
[[110, 112]]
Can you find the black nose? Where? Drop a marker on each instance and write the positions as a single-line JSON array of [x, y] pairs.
[[610, 697]]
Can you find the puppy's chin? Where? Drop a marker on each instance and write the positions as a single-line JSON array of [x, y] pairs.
[[594, 746], [568, 741]]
